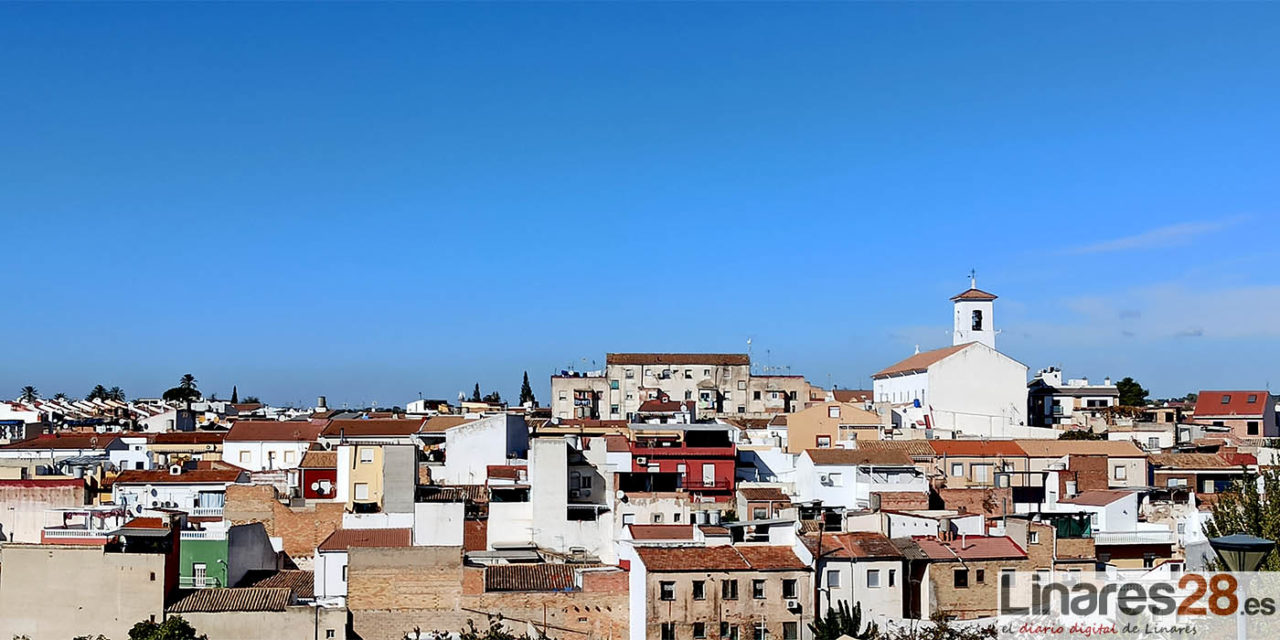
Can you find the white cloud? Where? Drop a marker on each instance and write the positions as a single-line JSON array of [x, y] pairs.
[[1160, 237]]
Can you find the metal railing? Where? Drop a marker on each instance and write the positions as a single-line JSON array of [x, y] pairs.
[[206, 511], [192, 582], [59, 532], [1133, 537]]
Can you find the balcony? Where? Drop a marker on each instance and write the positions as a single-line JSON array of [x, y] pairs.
[[193, 582], [720, 484], [206, 512], [79, 535], [1133, 537]]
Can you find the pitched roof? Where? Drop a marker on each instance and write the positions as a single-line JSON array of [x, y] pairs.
[[59, 441], [343, 539], [1211, 403], [661, 531], [862, 544], [373, 428], [723, 558], [454, 493], [188, 437], [970, 548], [852, 395], [973, 294], [1190, 461], [848, 457], [1096, 498], [233, 599], [670, 406], [920, 361], [727, 359], [617, 444], [315, 459], [146, 523], [301, 583], [761, 494], [913, 448], [273, 431], [193, 476], [529, 577], [977, 448], [437, 424], [1061, 448]]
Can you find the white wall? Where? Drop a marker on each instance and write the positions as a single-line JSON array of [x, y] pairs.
[[329, 582], [438, 523], [470, 448], [899, 389], [979, 391], [878, 604], [510, 523], [185, 496], [256, 455], [132, 455], [377, 520]]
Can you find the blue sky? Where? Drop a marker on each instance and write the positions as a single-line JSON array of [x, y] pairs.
[[371, 201]]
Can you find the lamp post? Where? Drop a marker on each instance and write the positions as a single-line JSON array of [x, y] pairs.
[[1241, 552]]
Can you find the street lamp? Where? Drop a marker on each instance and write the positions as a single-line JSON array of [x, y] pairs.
[[1241, 551]]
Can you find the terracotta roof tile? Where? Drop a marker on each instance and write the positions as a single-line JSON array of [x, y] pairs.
[[272, 431], [761, 494], [977, 448], [301, 583], [1061, 448], [233, 599], [725, 359], [195, 476], [529, 577], [853, 545], [1210, 404], [913, 448], [724, 558], [849, 457], [920, 361], [454, 493], [58, 441], [1096, 498], [146, 523], [617, 444], [188, 437], [1190, 461], [661, 531], [343, 539], [852, 395], [314, 459], [973, 294], [970, 548], [373, 428], [438, 424]]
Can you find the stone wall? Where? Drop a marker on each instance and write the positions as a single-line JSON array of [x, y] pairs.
[[301, 530]]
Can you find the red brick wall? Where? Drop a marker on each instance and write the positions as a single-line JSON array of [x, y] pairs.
[[1090, 472], [301, 530], [903, 500], [989, 502]]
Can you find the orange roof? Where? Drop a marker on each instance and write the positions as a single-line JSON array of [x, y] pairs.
[[1061, 448], [678, 358], [381, 428], [196, 476], [437, 424], [977, 448], [1231, 403], [920, 361], [661, 531], [725, 558], [272, 431], [862, 544], [59, 441], [973, 294], [146, 523], [1096, 498], [343, 539], [970, 548]]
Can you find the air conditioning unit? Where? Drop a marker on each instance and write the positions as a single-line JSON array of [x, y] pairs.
[[825, 480], [793, 605], [586, 493], [574, 493], [642, 460]]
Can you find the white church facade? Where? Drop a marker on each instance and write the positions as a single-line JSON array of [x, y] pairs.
[[968, 389]]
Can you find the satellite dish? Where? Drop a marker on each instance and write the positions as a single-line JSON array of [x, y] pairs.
[[315, 486]]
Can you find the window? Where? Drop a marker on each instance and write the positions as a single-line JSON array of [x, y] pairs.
[[628, 518], [1226, 398], [977, 320], [288, 457], [757, 589], [1182, 528], [1253, 427], [755, 395], [824, 442], [1253, 397], [329, 633], [1034, 537], [1148, 560], [742, 409], [668, 631], [675, 517], [790, 631], [729, 590], [564, 395], [198, 574], [759, 513], [613, 409], [699, 590], [792, 395], [666, 590], [960, 578], [613, 384], [1007, 577], [742, 385], [1176, 482], [833, 412], [657, 518], [980, 575], [833, 579], [789, 589], [759, 631], [366, 454], [873, 578], [699, 630], [981, 472], [707, 373], [630, 374], [1119, 472], [728, 631], [957, 469], [688, 395], [362, 491], [688, 374], [1153, 443], [244, 456], [893, 577]]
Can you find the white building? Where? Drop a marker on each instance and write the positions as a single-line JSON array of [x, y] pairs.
[[849, 478], [862, 568], [332, 557], [969, 388], [261, 445], [199, 492], [469, 445], [1075, 402]]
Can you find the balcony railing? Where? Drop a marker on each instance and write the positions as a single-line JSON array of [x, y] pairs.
[[192, 582], [1133, 537], [703, 485], [206, 511], [62, 532]]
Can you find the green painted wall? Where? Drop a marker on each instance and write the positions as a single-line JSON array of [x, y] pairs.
[[213, 553]]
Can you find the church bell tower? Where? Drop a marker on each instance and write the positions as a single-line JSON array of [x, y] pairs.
[[975, 317]]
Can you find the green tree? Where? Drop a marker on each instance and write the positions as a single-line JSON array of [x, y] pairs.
[[495, 631], [235, 395], [116, 393], [29, 394], [1131, 393], [187, 381], [98, 392], [186, 391], [526, 392], [252, 400], [843, 622], [173, 628], [492, 397], [1081, 434], [59, 396], [1244, 509], [475, 394]]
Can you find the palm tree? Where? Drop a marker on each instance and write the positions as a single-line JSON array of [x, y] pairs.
[[98, 392], [116, 393], [188, 381], [29, 394], [59, 396]]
